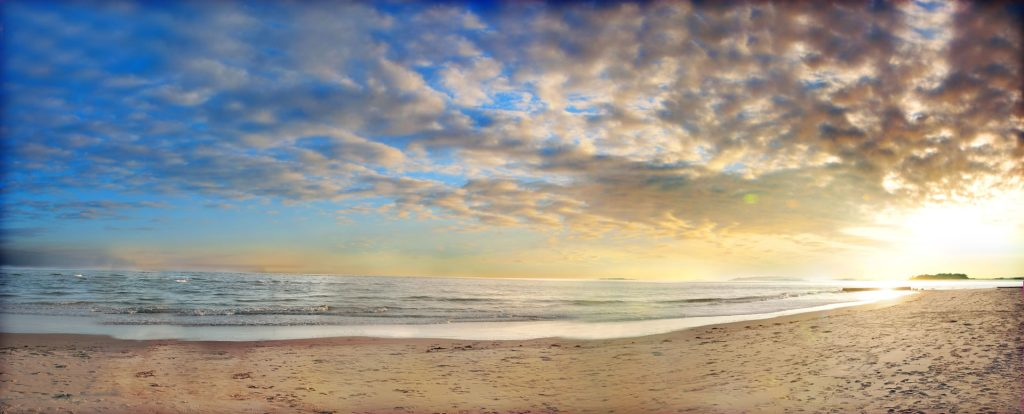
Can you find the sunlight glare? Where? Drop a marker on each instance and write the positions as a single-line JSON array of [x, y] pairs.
[[959, 228]]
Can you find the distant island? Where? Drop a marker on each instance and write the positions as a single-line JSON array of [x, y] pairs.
[[766, 279], [960, 276], [941, 276]]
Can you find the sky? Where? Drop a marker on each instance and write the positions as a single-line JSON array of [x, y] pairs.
[[654, 140]]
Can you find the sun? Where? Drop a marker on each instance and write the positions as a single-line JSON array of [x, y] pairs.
[[962, 228], [977, 237]]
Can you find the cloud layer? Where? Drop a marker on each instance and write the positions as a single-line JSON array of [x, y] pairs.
[[667, 119]]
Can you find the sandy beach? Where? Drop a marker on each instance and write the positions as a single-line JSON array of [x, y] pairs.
[[937, 351]]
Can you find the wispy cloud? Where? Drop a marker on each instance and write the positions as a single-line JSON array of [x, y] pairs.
[[78, 210]]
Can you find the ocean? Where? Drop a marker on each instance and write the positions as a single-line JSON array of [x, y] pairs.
[[261, 306]]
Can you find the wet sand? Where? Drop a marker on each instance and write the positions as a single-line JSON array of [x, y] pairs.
[[939, 351]]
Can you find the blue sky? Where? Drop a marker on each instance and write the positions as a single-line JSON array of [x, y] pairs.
[[657, 140]]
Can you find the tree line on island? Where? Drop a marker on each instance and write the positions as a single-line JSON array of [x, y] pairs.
[[957, 276], [941, 276]]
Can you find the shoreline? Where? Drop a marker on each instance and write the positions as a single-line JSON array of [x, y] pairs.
[[894, 354], [787, 316], [467, 331]]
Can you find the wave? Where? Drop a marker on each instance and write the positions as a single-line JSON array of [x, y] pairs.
[[734, 299], [130, 297], [253, 310], [257, 310], [61, 303], [450, 299], [745, 299], [56, 293]]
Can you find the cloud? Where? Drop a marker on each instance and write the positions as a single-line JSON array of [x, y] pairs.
[[471, 84], [20, 233], [77, 210], [661, 119], [61, 257]]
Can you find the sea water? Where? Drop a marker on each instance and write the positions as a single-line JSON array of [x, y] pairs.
[[257, 306]]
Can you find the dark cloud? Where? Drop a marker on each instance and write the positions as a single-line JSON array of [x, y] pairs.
[[18, 233], [77, 210], [60, 257]]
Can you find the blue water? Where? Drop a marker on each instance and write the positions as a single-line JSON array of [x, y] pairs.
[[122, 302]]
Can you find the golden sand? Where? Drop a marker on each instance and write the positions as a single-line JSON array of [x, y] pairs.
[[941, 351]]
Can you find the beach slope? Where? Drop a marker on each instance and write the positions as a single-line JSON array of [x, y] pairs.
[[939, 351]]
